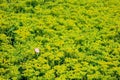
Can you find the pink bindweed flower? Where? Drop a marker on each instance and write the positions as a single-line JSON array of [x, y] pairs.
[[37, 50]]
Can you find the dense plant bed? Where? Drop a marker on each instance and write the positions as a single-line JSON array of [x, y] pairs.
[[77, 39]]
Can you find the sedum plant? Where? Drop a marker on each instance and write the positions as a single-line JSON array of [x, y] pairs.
[[59, 40]]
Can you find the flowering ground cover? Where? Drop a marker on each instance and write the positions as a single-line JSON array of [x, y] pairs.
[[59, 39]]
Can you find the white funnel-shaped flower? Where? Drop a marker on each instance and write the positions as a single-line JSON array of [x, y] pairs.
[[37, 50]]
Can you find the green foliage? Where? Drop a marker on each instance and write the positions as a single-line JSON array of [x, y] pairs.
[[78, 39]]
